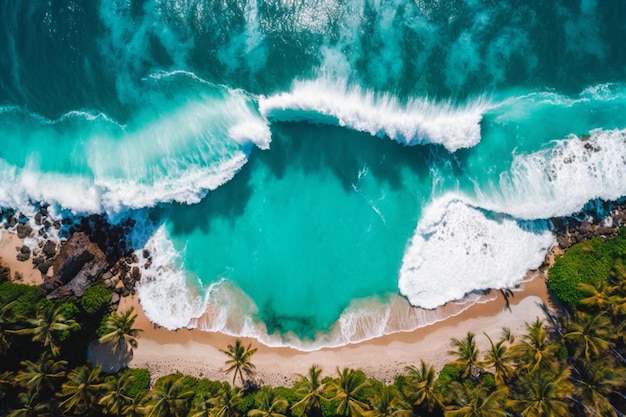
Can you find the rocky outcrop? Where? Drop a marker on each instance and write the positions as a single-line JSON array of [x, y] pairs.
[[79, 263], [569, 230]]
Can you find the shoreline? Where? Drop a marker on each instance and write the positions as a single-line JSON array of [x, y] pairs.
[[197, 352]]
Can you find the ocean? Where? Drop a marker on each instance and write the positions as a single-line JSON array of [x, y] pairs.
[[301, 169]]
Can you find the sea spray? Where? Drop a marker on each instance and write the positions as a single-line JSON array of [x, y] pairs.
[[468, 249], [418, 121]]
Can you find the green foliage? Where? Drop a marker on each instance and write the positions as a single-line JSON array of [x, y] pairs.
[[95, 299], [450, 372], [207, 388], [287, 393], [247, 404], [488, 381], [588, 262], [140, 380], [188, 382], [27, 298], [69, 311], [562, 354], [102, 327]]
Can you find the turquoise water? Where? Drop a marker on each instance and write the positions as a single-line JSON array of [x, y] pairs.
[[301, 160]]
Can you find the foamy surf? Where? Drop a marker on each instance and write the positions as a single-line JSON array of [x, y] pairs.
[[418, 121], [194, 147], [560, 180], [173, 299], [457, 249]]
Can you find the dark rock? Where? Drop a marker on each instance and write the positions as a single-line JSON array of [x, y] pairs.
[[18, 276], [563, 242], [107, 283], [24, 230], [43, 267], [605, 231], [25, 249], [148, 263], [38, 219], [49, 249], [115, 298], [107, 275], [146, 254], [43, 210], [135, 274], [78, 264], [12, 222], [22, 257], [57, 224], [5, 273]]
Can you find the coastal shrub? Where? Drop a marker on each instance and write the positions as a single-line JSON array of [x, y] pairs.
[[487, 380], [27, 298], [247, 404], [205, 388], [588, 262], [95, 299], [450, 372], [140, 380], [288, 394]]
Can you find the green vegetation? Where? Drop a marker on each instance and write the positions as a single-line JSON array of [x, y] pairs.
[[572, 364], [95, 299], [590, 262]]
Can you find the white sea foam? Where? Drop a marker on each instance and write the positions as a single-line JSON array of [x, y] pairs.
[[166, 291], [180, 156], [560, 180], [187, 186], [173, 299], [416, 122], [457, 249]]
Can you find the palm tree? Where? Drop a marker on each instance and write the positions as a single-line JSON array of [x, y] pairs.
[[41, 376], [535, 351], [543, 394], [202, 408], [239, 361], [31, 406], [589, 334], [466, 353], [80, 392], [226, 402], [115, 398], [475, 401], [6, 381], [422, 386], [311, 388], [597, 382], [136, 406], [120, 332], [270, 404], [597, 298], [169, 399], [499, 358], [6, 321], [386, 402], [47, 325], [345, 389]]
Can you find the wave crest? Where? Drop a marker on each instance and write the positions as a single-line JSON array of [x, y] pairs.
[[419, 121]]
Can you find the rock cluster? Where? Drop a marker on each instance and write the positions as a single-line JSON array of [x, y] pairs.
[[569, 230], [91, 250], [79, 263]]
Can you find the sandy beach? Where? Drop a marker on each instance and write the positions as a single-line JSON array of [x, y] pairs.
[[195, 352]]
